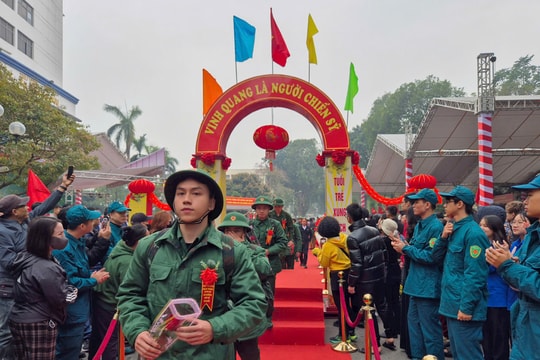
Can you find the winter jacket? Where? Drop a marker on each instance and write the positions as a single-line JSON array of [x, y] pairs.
[[334, 254], [13, 240], [74, 260], [117, 265], [425, 272], [175, 272], [368, 254], [277, 243], [40, 289], [525, 276], [465, 272], [263, 269]]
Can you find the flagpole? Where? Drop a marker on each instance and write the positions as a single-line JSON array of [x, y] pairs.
[[236, 71], [347, 122], [309, 72]]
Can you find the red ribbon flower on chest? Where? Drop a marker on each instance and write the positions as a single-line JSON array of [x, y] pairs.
[[209, 277], [269, 235]]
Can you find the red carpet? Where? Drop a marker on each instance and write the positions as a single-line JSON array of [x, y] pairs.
[[298, 318]]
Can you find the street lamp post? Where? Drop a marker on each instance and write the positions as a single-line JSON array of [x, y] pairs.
[[16, 129]]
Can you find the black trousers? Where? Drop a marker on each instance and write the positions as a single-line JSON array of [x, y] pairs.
[[304, 253], [496, 334], [379, 303], [248, 349], [334, 284]]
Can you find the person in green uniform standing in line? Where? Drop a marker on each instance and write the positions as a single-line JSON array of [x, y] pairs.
[[465, 273], [286, 221], [271, 236], [237, 227], [182, 256]]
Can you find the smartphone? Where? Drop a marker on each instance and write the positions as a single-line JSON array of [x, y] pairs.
[[70, 171], [104, 221]]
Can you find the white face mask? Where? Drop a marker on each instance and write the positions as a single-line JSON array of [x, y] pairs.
[[58, 243]]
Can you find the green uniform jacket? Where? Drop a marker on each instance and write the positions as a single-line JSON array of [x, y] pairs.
[[117, 265], [465, 273], [277, 244], [525, 276], [263, 268], [174, 272], [424, 278]]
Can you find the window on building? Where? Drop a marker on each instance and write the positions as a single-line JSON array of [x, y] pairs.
[[25, 44], [26, 11], [6, 31], [10, 3]]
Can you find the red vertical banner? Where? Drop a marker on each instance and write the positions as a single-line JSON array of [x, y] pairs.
[[485, 160]]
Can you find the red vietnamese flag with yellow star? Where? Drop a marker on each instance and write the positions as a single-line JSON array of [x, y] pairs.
[[280, 52]]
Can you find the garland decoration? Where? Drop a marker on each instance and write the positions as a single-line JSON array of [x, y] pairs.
[[209, 159]]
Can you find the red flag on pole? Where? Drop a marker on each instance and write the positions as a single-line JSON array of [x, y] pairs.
[[280, 52], [36, 190]]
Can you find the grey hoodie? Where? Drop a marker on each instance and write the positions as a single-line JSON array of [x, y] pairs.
[[40, 289]]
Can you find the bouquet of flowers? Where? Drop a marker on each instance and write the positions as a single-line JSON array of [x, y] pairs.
[[177, 312]]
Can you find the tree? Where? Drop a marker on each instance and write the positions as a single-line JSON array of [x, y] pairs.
[[522, 79], [53, 140], [246, 185], [303, 176], [394, 112], [125, 129], [170, 162], [139, 144]]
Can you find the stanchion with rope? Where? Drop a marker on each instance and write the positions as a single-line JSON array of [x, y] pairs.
[[369, 329], [107, 338], [365, 313], [344, 345]]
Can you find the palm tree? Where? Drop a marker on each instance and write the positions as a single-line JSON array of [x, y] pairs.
[[139, 145], [125, 129], [170, 162]]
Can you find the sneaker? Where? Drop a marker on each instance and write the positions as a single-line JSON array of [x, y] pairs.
[[352, 337], [85, 345], [335, 340]]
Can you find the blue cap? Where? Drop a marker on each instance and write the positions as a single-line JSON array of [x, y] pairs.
[[118, 207], [462, 193], [533, 185], [79, 214], [425, 194]]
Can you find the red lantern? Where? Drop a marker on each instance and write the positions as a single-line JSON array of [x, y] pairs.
[[422, 181], [141, 186], [271, 138]]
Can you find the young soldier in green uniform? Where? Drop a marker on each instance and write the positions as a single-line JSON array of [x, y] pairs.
[[286, 221], [181, 255], [236, 226], [423, 283], [465, 273], [522, 272], [270, 235]]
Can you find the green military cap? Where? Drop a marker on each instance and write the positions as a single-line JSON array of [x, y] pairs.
[[263, 200], [234, 219], [279, 202]]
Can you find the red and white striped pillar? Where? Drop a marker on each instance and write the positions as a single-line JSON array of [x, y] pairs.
[[408, 172], [363, 198], [78, 197], [485, 160]]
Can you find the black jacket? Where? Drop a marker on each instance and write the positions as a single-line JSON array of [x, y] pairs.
[[368, 254], [40, 290]]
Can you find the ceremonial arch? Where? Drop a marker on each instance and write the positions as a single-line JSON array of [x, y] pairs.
[[284, 91]]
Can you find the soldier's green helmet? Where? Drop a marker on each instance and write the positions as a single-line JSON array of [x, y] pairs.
[[263, 200], [234, 219]]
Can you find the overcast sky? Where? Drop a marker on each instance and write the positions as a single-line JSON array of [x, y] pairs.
[[151, 54]]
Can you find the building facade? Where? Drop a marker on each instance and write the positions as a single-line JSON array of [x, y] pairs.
[[31, 45]]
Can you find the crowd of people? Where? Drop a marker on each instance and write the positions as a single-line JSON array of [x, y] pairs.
[[468, 275], [461, 281]]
